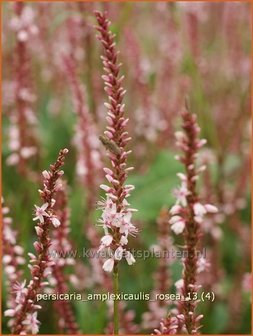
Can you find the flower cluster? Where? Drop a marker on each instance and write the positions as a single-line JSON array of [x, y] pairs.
[[24, 311], [187, 215], [12, 252], [168, 326], [12, 258], [22, 140], [112, 221], [178, 214], [89, 156], [148, 122], [116, 216], [89, 164], [23, 23]]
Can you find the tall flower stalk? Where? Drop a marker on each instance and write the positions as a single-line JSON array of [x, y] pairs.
[[147, 120], [89, 156], [12, 257], [22, 140], [187, 216], [89, 163], [24, 312], [157, 309], [116, 216]]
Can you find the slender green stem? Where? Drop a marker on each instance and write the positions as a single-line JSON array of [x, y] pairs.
[[116, 302]]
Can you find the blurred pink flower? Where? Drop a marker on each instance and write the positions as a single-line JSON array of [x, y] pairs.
[[32, 322]]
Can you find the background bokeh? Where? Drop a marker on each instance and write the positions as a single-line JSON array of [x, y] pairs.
[[168, 51]]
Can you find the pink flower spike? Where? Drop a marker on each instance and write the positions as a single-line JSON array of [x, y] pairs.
[[41, 213], [115, 218]]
